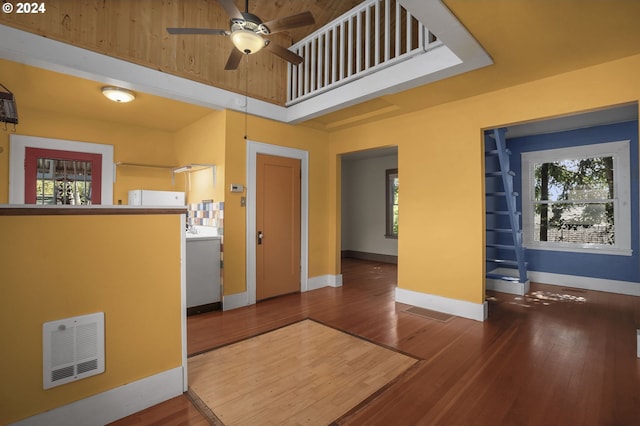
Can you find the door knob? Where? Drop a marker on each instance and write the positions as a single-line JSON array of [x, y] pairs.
[[260, 235]]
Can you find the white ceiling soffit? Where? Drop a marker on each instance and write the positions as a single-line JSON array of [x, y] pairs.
[[23, 47], [617, 114], [460, 53]]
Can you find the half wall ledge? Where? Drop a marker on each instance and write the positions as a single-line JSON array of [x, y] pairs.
[[95, 210]]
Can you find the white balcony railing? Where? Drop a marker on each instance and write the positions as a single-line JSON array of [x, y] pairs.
[[376, 34]]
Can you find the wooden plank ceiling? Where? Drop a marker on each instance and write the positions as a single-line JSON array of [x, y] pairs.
[[134, 31]]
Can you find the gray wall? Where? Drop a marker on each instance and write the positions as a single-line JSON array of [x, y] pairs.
[[363, 204]]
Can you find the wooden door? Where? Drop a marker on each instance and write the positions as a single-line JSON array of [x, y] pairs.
[[277, 225]]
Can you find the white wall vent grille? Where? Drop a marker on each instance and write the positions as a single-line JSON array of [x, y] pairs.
[[73, 348]]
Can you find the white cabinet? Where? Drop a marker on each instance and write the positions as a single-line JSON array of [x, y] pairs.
[[203, 274]]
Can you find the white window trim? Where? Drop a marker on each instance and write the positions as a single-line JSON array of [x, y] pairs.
[[622, 191], [19, 144], [389, 203]]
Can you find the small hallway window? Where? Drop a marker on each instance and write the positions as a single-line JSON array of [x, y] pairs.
[[392, 203]]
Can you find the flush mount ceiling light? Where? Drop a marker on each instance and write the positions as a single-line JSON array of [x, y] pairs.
[[117, 94]]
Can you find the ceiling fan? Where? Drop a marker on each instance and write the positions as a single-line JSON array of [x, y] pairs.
[[247, 31]]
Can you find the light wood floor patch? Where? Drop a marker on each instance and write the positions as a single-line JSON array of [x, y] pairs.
[[305, 373]]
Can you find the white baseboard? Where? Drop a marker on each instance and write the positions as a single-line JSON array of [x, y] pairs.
[[324, 281], [511, 287], [114, 404], [587, 283], [240, 300], [461, 308], [234, 301]]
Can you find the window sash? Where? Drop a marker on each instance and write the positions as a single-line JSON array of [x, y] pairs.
[[392, 206], [32, 175], [621, 202]]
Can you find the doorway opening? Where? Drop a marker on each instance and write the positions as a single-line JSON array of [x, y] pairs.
[[370, 211], [575, 200]]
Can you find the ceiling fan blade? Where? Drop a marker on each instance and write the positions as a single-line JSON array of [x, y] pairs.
[[210, 31], [289, 22], [234, 60], [285, 54], [231, 9]]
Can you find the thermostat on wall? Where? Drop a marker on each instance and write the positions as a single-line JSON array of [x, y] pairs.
[[236, 187]]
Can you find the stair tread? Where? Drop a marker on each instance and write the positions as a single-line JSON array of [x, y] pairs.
[[495, 152], [502, 212], [504, 230], [501, 193], [503, 277], [498, 173], [504, 261], [505, 246]]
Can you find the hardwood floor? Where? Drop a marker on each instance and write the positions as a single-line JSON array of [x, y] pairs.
[[559, 356]]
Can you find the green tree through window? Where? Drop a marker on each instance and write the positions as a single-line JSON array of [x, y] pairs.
[[574, 201], [392, 185]]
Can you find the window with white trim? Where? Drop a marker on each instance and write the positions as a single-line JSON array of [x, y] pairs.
[[392, 191], [19, 179], [578, 199]]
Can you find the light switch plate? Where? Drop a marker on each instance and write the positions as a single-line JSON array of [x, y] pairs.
[[236, 187]]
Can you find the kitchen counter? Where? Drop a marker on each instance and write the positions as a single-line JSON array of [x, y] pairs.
[[38, 210], [191, 236], [200, 232]]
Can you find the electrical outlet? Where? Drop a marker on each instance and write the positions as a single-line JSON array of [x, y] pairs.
[[236, 187]]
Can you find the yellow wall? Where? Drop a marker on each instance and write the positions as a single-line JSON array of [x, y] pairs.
[[55, 267], [203, 142], [299, 137], [441, 242], [131, 144]]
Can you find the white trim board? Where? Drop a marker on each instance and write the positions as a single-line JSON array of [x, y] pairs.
[[253, 149], [235, 301], [511, 287], [240, 300], [587, 283], [324, 281], [183, 302], [114, 404], [460, 308]]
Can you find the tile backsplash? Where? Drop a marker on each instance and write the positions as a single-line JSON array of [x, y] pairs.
[[210, 214]]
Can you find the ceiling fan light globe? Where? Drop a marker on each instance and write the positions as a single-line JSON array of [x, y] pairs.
[[247, 41]]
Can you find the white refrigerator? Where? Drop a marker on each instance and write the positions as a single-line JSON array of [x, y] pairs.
[[145, 197]]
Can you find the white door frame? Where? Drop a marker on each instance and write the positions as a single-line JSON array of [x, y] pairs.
[[253, 149]]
